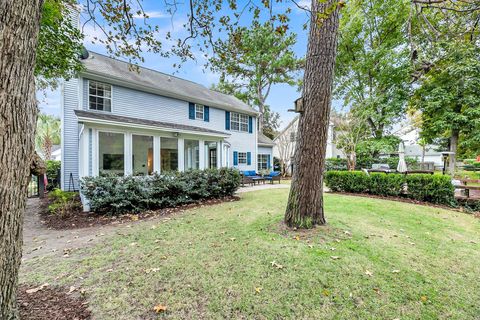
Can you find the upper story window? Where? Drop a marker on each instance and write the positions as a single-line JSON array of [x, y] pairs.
[[99, 96], [199, 111], [239, 122]]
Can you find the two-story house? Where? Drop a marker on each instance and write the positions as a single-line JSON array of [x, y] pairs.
[[137, 122]]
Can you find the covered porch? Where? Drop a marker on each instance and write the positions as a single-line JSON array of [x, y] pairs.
[[127, 146]]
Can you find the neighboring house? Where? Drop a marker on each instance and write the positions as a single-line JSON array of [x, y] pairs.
[[284, 144], [120, 121], [56, 152]]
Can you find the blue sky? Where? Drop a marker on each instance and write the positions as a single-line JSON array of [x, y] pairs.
[[281, 97]]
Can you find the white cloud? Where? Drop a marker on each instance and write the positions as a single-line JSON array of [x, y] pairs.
[[305, 4], [152, 14]]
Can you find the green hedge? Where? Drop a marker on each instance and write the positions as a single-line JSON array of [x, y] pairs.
[[340, 164], [129, 194], [53, 168], [423, 187]]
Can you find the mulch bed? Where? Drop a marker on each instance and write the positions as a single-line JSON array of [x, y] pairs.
[[53, 303], [406, 200], [76, 220]]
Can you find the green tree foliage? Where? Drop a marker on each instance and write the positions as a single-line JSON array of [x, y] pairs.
[[59, 45], [48, 134], [372, 70], [449, 97], [252, 60]]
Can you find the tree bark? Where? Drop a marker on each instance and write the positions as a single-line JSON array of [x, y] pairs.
[[453, 148], [19, 27], [305, 202]]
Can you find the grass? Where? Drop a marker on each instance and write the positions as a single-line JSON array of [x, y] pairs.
[[235, 260]]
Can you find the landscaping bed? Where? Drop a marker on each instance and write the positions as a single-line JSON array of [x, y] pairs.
[[52, 303], [78, 219]]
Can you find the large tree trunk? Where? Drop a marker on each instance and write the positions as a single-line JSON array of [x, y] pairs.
[[453, 148], [305, 202], [19, 27]]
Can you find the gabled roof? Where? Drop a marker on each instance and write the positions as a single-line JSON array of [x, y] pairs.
[[100, 117], [160, 83], [265, 141]]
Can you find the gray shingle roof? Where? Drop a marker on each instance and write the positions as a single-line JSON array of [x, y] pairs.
[[162, 83], [264, 140], [161, 125]]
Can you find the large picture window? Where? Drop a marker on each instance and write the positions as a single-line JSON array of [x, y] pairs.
[[192, 150], [169, 154], [99, 96], [111, 153], [142, 155], [239, 122], [262, 162]]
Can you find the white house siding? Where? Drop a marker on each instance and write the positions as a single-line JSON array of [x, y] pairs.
[[137, 104], [70, 132]]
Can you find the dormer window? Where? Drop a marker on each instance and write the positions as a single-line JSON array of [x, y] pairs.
[[199, 111], [99, 96]]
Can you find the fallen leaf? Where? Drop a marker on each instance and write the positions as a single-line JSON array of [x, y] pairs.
[[368, 273], [233, 239], [395, 271], [297, 238], [310, 246], [147, 271], [72, 288], [160, 308], [276, 265], [33, 290], [347, 233], [258, 289], [335, 257], [424, 298], [325, 292]]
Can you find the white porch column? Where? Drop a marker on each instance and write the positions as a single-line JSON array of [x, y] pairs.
[[201, 154], [95, 153], [181, 154], [156, 154], [128, 154], [219, 154], [83, 152]]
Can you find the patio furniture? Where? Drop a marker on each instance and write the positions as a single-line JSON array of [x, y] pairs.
[[247, 177], [467, 190], [258, 179], [273, 176]]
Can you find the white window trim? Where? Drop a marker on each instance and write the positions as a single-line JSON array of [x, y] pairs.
[[240, 115], [266, 160], [246, 158], [126, 150], [88, 96], [202, 111]]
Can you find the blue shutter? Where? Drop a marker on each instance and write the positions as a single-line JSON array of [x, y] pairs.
[[206, 114], [227, 120], [191, 110], [268, 162], [249, 158], [250, 124], [235, 158]]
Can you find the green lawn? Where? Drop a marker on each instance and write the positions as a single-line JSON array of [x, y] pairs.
[[390, 261]]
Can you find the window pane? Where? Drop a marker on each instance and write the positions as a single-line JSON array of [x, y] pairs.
[[168, 154], [242, 157], [192, 154], [111, 155], [142, 155], [99, 96], [107, 105]]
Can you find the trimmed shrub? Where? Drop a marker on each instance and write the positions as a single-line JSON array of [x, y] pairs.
[[53, 167], [63, 203], [116, 195], [422, 187]]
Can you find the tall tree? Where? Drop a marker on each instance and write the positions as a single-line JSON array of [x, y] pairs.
[[305, 202], [48, 134], [372, 72], [445, 53], [253, 59]]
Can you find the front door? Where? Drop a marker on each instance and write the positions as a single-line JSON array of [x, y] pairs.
[[212, 158]]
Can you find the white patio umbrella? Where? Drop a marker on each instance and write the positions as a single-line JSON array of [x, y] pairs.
[[402, 165]]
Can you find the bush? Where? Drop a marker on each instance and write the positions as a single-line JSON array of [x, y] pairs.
[[53, 167], [63, 203], [335, 164], [116, 195], [364, 162], [422, 187]]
